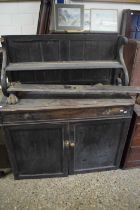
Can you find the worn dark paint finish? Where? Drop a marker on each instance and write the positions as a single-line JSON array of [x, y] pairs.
[[51, 138], [48, 143], [38, 150], [63, 47], [83, 76], [4, 160], [95, 151], [60, 47]]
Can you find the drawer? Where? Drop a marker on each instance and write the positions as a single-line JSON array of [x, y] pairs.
[[134, 154], [65, 114]]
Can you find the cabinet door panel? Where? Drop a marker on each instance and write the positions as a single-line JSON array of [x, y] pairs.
[[37, 150], [98, 144]]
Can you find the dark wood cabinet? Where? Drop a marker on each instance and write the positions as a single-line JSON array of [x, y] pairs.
[[65, 136], [131, 156], [130, 25], [57, 122]]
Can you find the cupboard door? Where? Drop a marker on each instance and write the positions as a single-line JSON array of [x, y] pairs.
[[97, 144], [37, 150]]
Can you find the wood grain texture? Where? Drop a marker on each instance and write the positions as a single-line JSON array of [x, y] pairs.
[[95, 148], [59, 140], [73, 89], [26, 66], [75, 58], [132, 60], [62, 103], [131, 156]]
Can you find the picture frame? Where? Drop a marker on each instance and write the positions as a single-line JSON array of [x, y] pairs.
[[114, 1], [104, 20], [87, 19], [69, 17]]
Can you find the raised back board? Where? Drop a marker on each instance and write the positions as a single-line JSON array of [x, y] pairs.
[[62, 47]]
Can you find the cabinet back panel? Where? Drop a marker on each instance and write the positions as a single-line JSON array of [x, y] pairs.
[[61, 47]]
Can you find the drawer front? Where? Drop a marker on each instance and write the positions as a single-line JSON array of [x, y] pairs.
[[134, 154], [24, 117]]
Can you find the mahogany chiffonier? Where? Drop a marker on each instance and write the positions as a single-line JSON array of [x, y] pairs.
[[59, 119], [58, 137]]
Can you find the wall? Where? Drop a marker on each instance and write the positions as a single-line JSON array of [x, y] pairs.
[[19, 17], [22, 17]]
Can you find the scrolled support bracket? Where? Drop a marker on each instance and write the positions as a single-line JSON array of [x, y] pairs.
[[121, 42], [4, 84]]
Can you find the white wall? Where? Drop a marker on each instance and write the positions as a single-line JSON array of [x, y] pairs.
[[19, 17], [22, 17]]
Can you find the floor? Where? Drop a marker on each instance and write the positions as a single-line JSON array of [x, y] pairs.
[[111, 190]]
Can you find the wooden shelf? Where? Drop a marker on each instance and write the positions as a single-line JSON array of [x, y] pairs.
[[73, 89], [63, 65]]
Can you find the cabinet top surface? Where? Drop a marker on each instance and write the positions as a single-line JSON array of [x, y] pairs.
[[29, 104]]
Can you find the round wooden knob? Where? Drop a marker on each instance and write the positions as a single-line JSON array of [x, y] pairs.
[[72, 144]]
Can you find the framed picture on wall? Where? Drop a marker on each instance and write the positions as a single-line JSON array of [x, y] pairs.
[[69, 17], [118, 1], [87, 19], [104, 20]]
